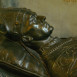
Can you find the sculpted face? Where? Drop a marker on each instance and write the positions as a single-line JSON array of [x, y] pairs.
[[36, 28]]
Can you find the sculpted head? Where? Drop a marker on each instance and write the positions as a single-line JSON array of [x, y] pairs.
[[36, 28], [26, 23]]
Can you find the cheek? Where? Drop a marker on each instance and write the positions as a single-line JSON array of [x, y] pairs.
[[40, 29], [45, 30]]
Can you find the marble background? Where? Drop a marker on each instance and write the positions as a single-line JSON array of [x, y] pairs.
[[61, 14]]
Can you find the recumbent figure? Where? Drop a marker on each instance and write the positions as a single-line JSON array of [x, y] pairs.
[[28, 49]]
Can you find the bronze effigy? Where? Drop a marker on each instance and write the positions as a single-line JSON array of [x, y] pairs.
[[27, 47]]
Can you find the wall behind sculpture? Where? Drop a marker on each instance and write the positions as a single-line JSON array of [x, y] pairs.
[[61, 14]]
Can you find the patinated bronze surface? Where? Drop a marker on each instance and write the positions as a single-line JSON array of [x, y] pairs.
[[14, 24], [28, 49]]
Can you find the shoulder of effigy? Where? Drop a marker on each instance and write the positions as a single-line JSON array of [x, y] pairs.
[[61, 42], [14, 56], [59, 46], [71, 41]]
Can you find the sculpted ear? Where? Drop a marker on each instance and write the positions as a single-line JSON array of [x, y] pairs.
[[27, 38]]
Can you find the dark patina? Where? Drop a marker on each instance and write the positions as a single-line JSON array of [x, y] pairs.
[[28, 49]]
